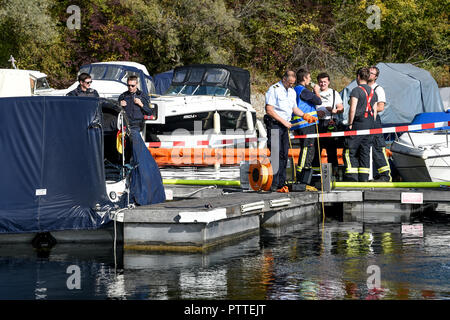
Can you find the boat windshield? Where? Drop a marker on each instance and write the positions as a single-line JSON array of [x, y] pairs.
[[111, 73], [198, 90], [103, 72], [42, 84]]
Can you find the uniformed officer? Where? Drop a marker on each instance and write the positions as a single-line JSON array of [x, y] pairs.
[[306, 102], [362, 114], [280, 105], [380, 160], [84, 87]]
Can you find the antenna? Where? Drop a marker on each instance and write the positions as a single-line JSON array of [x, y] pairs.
[[13, 61]]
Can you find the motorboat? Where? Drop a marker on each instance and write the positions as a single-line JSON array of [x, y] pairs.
[[206, 106], [424, 155], [19, 82], [110, 78]]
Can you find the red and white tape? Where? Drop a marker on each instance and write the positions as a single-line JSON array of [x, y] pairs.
[[413, 127]]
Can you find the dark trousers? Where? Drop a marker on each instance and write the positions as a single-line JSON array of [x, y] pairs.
[[329, 144], [308, 149], [380, 160], [279, 152], [357, 158]]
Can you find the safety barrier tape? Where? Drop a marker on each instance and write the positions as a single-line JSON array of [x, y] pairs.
[[414, 127]]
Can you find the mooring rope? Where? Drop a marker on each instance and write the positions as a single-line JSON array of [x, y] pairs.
[[321, 181]]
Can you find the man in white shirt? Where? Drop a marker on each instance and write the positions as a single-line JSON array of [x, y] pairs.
[[380, 160], [280, 104], [327, 111]]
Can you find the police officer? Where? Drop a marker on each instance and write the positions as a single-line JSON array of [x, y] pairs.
[[84, 88], [380, 160], [135, 103], [362, 114], [306, 102], [280, 105]]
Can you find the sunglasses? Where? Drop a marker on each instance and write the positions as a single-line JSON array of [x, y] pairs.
[[88, 82], [131, 85]]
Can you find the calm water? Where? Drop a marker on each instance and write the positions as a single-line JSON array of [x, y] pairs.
[[298, 262]]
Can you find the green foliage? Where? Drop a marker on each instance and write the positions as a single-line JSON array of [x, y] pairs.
[[265, 36]]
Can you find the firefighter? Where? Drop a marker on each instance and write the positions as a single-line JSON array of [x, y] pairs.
[[362, 114], [380, 160], [307, 102]]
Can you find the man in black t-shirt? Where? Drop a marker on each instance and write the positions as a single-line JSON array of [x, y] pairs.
[[362, 114]]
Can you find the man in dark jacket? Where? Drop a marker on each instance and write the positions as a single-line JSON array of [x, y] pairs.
[[84, 88], [135, 103]]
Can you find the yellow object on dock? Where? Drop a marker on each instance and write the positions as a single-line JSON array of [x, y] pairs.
[[338, 184]]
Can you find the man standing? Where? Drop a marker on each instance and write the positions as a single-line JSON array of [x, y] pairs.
[[84, 88], [280, 105], [380, 160], [362, 114], [327, 111], [135, 103], [306, 102]]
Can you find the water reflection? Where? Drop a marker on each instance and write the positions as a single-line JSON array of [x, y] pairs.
[[298, 261]]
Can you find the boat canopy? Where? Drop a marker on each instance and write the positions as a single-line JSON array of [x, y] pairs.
[[163, 81], [52, 166], [431, 117], [119, 72], [211, 79], [409, 91]]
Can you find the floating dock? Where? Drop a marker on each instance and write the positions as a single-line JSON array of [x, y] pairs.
[[200, 223]]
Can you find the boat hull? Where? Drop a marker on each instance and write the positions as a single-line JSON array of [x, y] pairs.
[[429, 162]]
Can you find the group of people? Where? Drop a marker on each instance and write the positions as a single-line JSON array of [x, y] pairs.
[[134, 101], [290, 105]]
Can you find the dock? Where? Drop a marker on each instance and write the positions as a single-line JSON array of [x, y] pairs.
[[208, 220]]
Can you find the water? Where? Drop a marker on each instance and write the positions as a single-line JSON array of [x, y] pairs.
[[297, 262]]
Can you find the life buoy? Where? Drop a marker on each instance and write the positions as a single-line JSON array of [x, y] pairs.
[[260, 175]]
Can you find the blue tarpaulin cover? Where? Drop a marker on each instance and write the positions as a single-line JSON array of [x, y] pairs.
[[163, 81], [52, 166], [431, 117], [409, 91], [146, 182]]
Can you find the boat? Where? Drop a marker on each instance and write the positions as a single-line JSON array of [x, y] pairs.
[[424, 155], [18, 82], [110, 78], [62, 173], [206, 106]]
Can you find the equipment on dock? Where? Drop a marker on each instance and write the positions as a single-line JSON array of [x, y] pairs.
[[260, 175]]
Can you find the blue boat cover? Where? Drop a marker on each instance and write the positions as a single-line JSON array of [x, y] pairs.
[[409, 91], [52, 165], [163, 81], [431, 117], [146, 182]]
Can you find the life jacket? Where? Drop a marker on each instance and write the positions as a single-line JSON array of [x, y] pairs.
[[307, 107]]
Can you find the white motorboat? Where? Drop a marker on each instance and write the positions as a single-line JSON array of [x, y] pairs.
[[206, 106], [110, 78], [18, 82], [425, 155]]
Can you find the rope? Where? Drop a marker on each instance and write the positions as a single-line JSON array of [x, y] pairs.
[[321, 181], [293, 159]]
